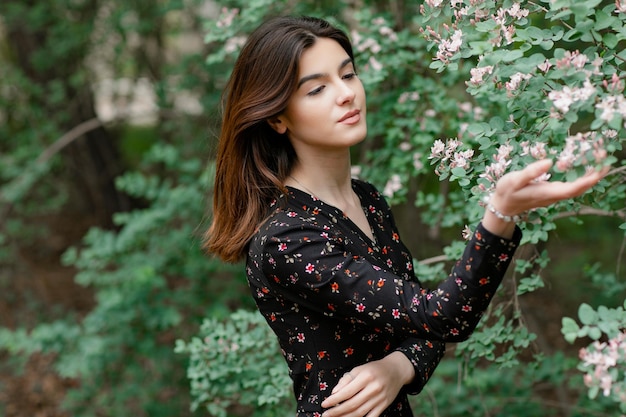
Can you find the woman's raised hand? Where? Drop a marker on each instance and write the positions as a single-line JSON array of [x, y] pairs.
[[523, 190]]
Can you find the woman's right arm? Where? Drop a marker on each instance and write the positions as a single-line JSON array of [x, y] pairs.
[[304, 264], [309, 265]]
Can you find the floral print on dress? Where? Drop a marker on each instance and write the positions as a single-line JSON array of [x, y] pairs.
[[337, 299]]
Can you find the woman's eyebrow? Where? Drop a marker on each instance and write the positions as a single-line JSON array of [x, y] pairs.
[[306, 78]]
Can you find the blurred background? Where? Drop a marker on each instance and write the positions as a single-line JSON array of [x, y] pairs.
[[109, 113]]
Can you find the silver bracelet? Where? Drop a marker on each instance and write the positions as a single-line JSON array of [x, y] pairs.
[[516, 218]]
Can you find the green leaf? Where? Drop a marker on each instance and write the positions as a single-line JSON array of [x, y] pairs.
[[604, 20], [595, 333], [459, 172], [569, 329], [587, 314]]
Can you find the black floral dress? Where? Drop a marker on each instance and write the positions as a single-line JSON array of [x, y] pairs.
[[336, 299]]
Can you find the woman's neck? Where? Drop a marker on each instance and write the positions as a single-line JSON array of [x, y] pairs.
[[330, 183]]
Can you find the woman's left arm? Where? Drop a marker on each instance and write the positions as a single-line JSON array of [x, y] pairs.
[[370, 388]]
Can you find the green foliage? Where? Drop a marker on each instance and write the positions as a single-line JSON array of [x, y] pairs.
[[235, 363], [150, 280], [493, 97], [604, 362], [604, 321]]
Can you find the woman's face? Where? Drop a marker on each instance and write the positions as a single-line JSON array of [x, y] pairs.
[[327, 110]]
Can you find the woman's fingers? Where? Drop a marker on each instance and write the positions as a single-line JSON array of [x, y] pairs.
[[346, 388], [519, 191], [519, 179], [343, 381], [360, 404]]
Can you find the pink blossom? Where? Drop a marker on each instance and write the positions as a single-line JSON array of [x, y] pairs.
[[601, 360], [576, 150], [517, 12], [368, 44], [394, 184], [437, 149], [616, 85], [234, 43], [572, 59], [620, 6], [545, 66], [405, 146], [227, 17], [462, 159], [504, 152], [498, 167], [516, 79], [537, 149], [610, 105], [562, 100], [375, 64], [434, 3], [409, 95], [388, 32], [479, 73], [448, 47], [417, 161]]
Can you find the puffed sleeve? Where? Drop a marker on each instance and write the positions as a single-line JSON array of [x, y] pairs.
[[307, 264]]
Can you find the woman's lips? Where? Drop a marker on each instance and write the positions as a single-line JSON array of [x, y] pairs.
[[351, 117]]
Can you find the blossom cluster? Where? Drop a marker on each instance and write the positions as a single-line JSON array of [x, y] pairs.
[[227, 17], [497, 168], [394, 184], [507, 30], [503, 17], [564, 98], [450, 154], [581, 149], [371, 44], [605, 366]]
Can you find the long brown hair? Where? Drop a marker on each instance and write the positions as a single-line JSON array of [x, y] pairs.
[[253, 160]]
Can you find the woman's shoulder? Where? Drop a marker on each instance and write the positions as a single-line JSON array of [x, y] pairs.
[[290, 210], [368, 192]]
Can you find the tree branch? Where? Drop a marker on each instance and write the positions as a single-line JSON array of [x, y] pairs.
[[70, 136]]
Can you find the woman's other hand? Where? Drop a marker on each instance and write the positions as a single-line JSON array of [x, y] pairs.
[[369, 389]]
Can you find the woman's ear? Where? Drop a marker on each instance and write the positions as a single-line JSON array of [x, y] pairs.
[[277, 124]]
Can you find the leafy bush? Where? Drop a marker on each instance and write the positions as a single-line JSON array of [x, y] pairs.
[[237, 362]]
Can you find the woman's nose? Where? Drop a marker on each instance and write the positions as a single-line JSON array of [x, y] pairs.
[[346, 94]]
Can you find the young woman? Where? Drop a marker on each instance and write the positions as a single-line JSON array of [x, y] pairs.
[[324, 259]]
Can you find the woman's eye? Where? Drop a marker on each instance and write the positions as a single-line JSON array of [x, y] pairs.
[[315, 91], [349, 76]]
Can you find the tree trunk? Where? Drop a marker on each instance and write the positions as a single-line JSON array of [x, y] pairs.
[[93, 160]]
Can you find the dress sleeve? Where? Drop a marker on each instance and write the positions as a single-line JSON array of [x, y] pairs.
[[307, 265], [424, 355]]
